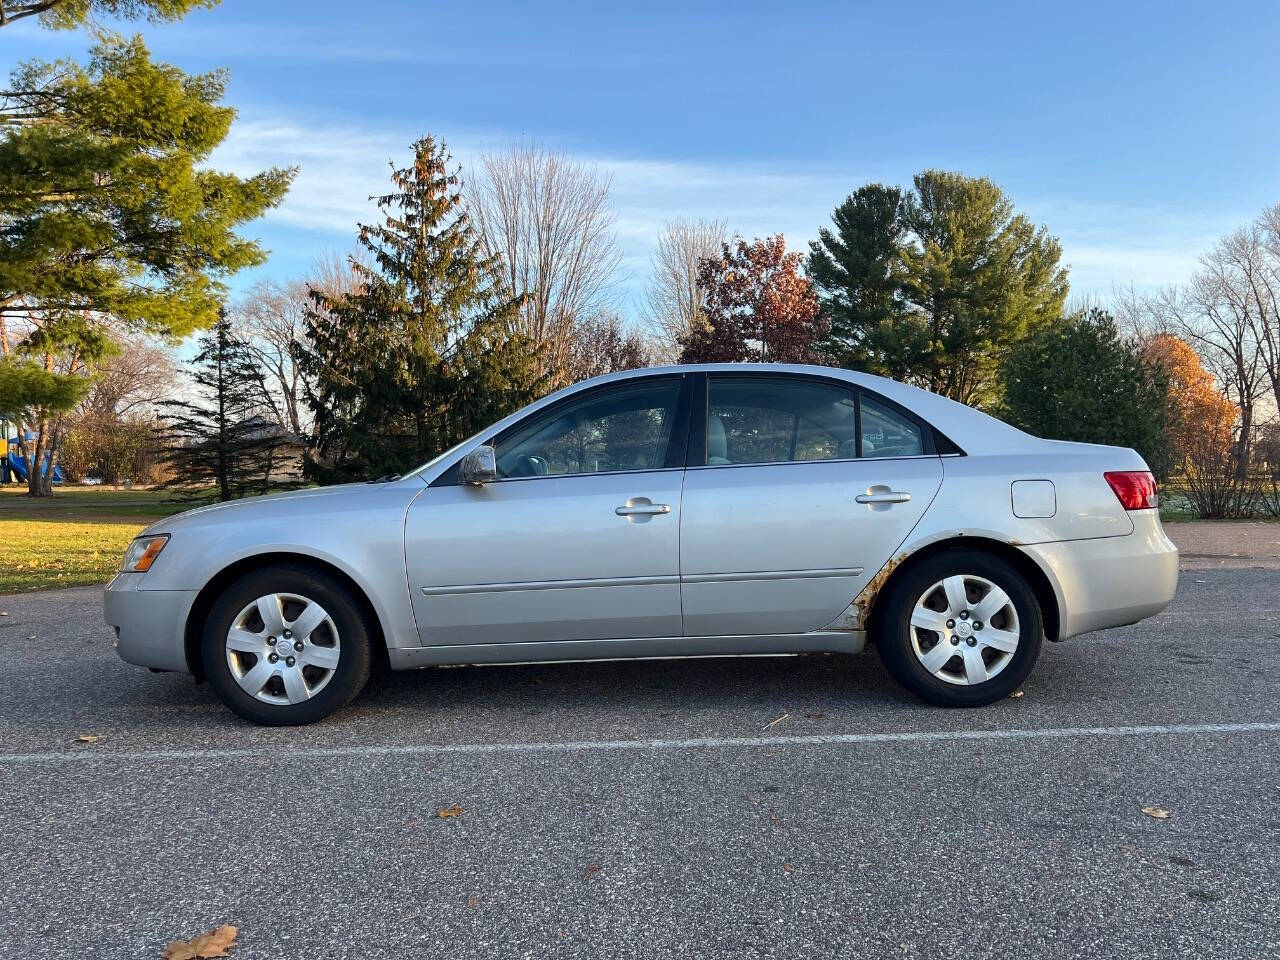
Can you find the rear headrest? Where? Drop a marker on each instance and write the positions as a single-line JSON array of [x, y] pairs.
[[717, 443]]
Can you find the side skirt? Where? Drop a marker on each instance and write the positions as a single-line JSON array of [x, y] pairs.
[[648, 648]]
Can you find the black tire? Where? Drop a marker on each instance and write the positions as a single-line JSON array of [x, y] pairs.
[[348, 616], [893, 632]]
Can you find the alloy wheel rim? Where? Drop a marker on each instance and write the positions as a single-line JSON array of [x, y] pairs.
[[283, 648], [964, 629]]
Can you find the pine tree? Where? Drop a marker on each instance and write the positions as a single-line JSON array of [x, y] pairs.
[[110, 210], [424, 351], [220, 445], [934, 286]]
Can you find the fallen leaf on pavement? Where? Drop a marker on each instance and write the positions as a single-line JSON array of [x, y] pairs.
[[473, 902], [211, 943], [88, 738], [448, 813], [1016, 695], [591, 871], [1160, 813], [789, 868]]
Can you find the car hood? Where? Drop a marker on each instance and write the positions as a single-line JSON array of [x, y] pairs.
[[294, 502]]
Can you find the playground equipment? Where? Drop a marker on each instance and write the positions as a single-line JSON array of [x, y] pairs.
[[16, 464]]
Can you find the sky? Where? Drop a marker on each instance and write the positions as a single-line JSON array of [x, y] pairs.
[[1137, 133]]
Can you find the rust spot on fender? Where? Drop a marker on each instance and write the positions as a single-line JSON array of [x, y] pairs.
[[857, 614]]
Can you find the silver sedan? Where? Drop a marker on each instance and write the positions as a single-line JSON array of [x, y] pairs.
[[679, 511]]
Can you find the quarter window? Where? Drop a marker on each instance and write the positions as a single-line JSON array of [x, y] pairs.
[[626, 427], [887, 433], [775, 420]]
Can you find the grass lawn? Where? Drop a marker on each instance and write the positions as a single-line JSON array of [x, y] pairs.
[[73, 538]]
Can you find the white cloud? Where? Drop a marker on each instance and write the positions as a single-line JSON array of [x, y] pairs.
[[342, 166]]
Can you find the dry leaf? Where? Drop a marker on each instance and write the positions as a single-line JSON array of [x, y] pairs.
[[88, 738], [473, 902], [591, 871], [448, 813], [211, 943], [1016, 695], [1160, 813], [789, 868]]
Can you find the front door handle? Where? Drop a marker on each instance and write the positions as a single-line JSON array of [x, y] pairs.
[[889, 496], [640, 509]]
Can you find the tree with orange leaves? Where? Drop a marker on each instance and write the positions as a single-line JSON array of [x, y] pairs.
[[757, 306], [1201, 419]]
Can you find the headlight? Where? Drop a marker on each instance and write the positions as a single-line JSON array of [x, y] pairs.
[[142, 553]]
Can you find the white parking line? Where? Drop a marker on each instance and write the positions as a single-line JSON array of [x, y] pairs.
[[91, 755]]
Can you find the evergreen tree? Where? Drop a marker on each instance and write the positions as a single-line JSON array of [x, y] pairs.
[[110, 211], [935, 286], [220, 445], [424, 350], [1080, 380], [66, 14], [858, 274]]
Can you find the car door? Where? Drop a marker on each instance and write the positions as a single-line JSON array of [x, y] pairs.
[[576, 539], [783, 522]]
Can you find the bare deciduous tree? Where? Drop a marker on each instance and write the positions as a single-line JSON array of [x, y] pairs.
[[601, 345], [673, 301], [1219, 313], [550, 220], [132, 380], [271, 321]]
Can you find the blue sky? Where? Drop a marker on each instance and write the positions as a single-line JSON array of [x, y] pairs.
[[1137, 133]]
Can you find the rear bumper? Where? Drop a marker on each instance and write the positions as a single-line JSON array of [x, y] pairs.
[[1112, 581], [150, 625]]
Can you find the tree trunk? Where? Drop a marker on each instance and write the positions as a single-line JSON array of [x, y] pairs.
[[38, 484], [1242, 443]]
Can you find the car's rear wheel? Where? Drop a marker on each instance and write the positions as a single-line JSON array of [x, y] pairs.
[[960, 629], [286, 645]]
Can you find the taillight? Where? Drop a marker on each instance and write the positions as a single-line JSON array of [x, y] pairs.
[[1135, 489]]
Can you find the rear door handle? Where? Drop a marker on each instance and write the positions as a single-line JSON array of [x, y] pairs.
[[642, 509], [890, 496]]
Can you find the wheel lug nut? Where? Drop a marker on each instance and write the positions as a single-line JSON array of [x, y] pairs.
[[955, 641], [272, 657], [972, 641], [951, 624], [288, 634], [977, 624], [964, 614], [297, 645], [290, 662], [271, 641]]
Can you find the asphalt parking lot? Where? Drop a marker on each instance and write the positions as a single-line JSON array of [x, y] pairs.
[[654, 809]]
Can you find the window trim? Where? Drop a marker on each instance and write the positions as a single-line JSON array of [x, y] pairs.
[[674, 457], [697, 456]]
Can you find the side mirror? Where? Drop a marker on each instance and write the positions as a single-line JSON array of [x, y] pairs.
[[478, 467]]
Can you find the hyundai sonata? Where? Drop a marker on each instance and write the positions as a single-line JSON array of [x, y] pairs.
[[678, 511]]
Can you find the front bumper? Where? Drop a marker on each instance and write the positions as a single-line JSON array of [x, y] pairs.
[[150, 625], [1111, 581]]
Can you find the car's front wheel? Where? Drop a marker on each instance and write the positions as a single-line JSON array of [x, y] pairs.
[[960, 629], [286, 645]]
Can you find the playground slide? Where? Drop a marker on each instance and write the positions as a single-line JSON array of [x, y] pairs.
[[18, 465]]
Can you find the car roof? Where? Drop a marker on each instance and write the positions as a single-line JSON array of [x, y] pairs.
[[972, 430]]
